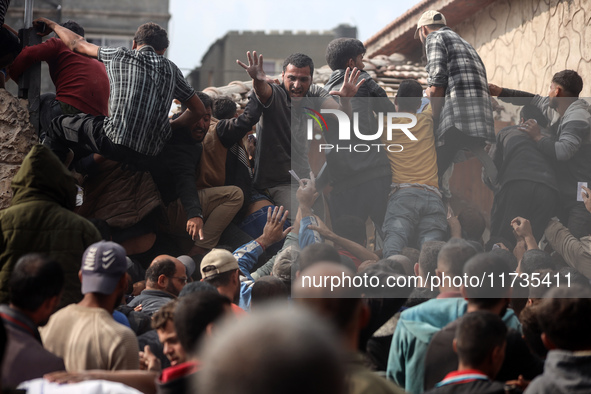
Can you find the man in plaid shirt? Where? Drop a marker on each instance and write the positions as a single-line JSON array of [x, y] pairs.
[[143, 86], [459, 94]]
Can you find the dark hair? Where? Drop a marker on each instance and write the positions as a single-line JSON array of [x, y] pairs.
[[73, 26], [428, 256], [351, 228], [530, 111], [532, 331], [222, 279], [299, 60], [224, 108], [9, 44], [392, 265], [409, 95], [163, 315], [340, 50], [419, 295], [565, 317], [486, 294], [411, 253], [507, 257], [536, 259], [196, 287], [165, 267], [453, 255], [34, 279], [151, 34], [472, 349], [318, 252], [268, 288], [548, 280], [575, 277], [473, 224], [570, 81], [382, 270], [205, 99], [194, 313]]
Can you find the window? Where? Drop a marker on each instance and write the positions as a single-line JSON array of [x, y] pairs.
[[110, 41]]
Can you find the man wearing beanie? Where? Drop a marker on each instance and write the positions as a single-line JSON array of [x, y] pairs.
[[85, 335]]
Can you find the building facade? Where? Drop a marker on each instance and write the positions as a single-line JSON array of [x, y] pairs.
[[521, 42], [106, 22], [218, 65]]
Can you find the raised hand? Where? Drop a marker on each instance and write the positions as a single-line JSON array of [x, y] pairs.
[[350, 85], [306, 193], [254, 67], [273, 231], [46, 23], [521, 226]]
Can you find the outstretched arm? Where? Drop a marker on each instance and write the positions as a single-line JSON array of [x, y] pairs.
[[72, 40], [356, 249], [195, 111], [259, 78]]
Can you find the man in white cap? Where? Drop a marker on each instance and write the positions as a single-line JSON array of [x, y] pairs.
[[85, 335], [457, 74], [230, 273]]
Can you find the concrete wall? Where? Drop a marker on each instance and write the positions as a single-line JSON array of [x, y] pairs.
[[220, 60], [524, 42], [17, 137]]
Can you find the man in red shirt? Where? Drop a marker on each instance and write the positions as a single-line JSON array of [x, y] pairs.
[[81, 82]]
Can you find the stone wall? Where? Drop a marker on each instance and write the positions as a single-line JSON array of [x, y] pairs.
[[524, 42], [17, 136]]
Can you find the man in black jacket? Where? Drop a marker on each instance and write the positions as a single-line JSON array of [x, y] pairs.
[[527, 185], [199, 171], [569, 146]]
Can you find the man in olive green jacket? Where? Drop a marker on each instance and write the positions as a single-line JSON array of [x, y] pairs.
[[40, 219]]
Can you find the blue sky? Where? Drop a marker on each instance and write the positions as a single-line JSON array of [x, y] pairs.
[[195, 25]]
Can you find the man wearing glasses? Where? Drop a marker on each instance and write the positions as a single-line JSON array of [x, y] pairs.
[[165, 278]]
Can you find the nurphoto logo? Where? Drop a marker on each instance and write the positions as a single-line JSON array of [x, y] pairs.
[[344, 131]]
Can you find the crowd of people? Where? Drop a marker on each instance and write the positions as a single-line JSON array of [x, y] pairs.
[[205, 252]]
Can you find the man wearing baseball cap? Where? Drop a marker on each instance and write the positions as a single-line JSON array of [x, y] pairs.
[[85, 335], [224, 270], [456, 73], [220, 268]]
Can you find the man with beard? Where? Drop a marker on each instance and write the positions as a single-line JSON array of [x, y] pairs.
[[568, 147], [34, 289], [202, 214], [85, 335], [279, 147], [165, 278]]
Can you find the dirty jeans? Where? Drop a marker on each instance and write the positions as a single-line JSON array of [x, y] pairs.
[[413, 211]]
